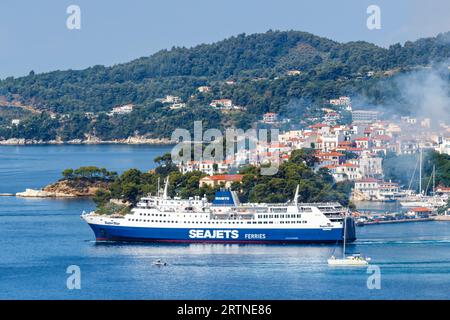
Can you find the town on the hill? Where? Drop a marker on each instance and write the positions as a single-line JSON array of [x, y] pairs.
[[351, 152]]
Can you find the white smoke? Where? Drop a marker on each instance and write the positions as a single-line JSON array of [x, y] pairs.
[[427, 91], [422, 93]]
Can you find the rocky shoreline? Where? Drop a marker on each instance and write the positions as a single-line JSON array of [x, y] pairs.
[[92, 141], [64, 189]]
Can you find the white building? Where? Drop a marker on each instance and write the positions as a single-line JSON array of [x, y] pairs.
[[370, 166], [128, 108], [342, 101], [344, 172], [208, 167], [171, 99], [444, 145], [224, 103], [204, 89], [177, 106], [270, 117], [375, 190], [364, 116]]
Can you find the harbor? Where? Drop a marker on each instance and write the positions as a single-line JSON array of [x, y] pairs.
[[290, 271]]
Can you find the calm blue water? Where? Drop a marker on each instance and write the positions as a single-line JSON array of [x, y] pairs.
[[41, 238]]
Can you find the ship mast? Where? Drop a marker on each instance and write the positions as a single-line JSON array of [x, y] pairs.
[[166, 187], [158, 191], [345, 234], [296, 195], [420, 172], [434, 179]]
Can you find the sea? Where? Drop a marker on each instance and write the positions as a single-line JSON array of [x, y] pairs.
[[45, 244]]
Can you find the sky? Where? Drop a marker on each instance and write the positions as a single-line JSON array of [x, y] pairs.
[[34, 35]]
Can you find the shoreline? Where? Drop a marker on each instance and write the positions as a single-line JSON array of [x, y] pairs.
[[129, 141], [398, 221]]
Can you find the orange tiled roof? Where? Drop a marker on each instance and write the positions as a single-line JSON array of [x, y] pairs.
[[420, 209], [226, 177]]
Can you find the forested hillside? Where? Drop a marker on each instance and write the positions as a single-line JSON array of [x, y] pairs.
[[257, 63]]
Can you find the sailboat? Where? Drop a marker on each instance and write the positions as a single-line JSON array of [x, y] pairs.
[[421, 199], [348, 260]]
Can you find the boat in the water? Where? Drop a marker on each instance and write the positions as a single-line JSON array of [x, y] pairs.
[[160, 263], [348, 260], [163, 219], [351, 260], [422, 199]]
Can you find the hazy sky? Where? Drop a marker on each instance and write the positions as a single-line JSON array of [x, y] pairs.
[[34, 36]]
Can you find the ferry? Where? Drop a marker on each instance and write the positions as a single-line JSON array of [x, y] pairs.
[[163, 219]]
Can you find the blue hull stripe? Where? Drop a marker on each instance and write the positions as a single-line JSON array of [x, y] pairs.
[[211, 235]]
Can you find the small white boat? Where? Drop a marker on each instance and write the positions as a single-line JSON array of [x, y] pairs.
[[351, 260], [159, 263]]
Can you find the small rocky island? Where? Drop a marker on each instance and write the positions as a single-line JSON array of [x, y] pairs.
[[82, 182]]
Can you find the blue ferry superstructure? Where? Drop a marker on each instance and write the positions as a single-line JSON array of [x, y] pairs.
[[163, 219]]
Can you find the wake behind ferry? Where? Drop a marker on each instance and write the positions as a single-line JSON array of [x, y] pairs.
[[163, 219]]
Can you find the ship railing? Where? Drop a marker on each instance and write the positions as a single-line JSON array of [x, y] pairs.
[[231, 216], [332, 211], [320, 204], [117, 216]]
